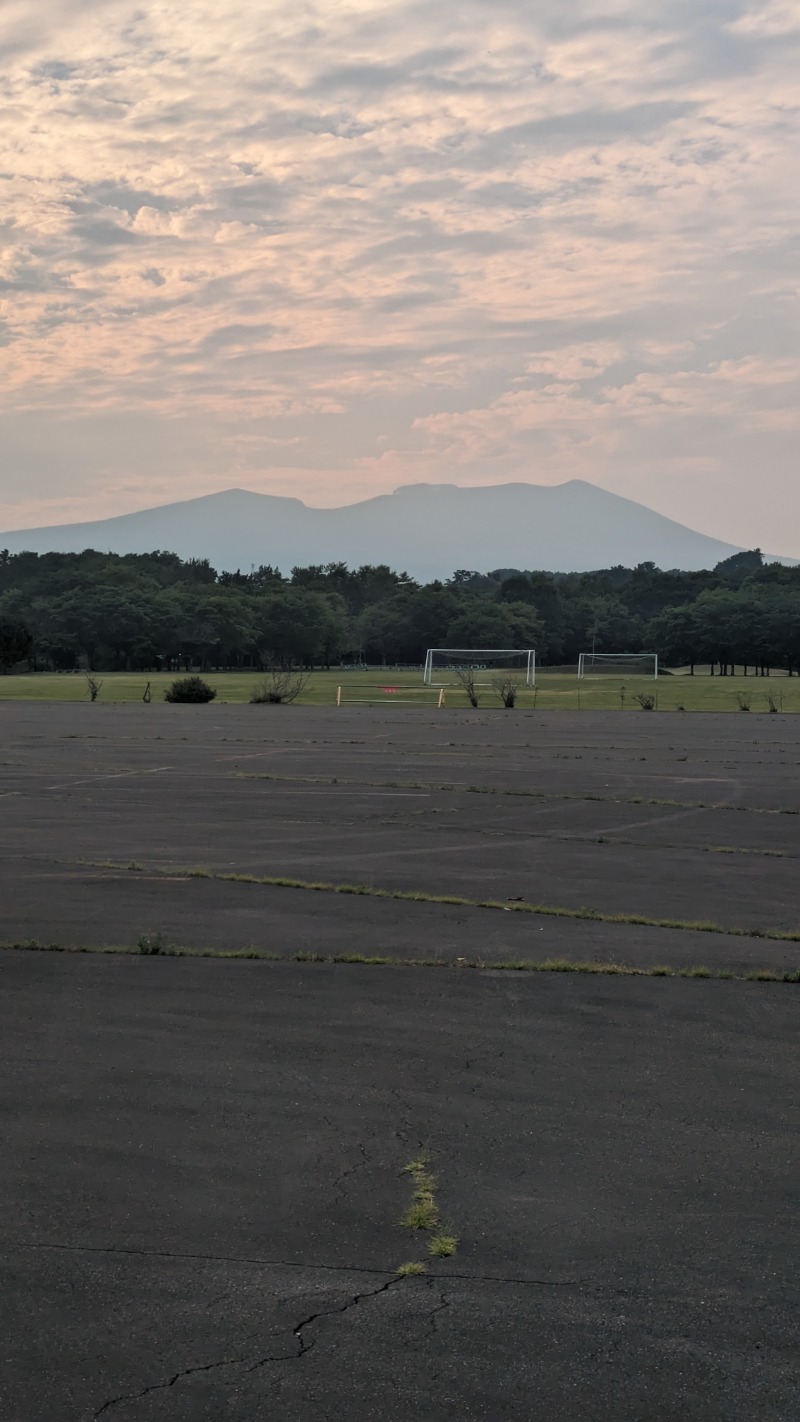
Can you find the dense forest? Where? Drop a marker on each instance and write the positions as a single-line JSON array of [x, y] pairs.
[[63, 611]]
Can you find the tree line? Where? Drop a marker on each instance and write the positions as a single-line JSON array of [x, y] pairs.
[[150, 611]]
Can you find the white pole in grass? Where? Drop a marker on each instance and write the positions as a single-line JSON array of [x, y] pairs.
[[338, 696], [441, 699]]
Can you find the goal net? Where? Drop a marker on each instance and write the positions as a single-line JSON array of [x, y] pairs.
[[442, 664], [641, 664]]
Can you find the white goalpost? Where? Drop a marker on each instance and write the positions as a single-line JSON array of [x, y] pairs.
[[442, 664], [641, 664]]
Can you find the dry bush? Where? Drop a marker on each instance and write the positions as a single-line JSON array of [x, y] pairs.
[[279, 688]]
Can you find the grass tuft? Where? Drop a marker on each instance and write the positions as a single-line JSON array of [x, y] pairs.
[[421, 1214], [443, 1245], [414, 1266], [735, 849], [418, 1165]]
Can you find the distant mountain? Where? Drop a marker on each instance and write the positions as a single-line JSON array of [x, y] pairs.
[[428, 530]]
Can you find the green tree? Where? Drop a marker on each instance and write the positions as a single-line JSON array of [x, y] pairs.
[[674, 636], [15, 644], [297, 624], [507, 625]]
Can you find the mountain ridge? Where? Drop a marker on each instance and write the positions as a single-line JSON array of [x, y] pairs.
[[428, 530]]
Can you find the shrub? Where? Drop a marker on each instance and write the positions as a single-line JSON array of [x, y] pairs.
[[646, 700], [506, 688], [466, 676], [279, 688], [190, 689]]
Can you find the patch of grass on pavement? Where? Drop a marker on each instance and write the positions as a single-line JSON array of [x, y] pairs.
[[443, 1245], [526, 794], [423, 1213], [592, 915], [519, 965], [735, 849]]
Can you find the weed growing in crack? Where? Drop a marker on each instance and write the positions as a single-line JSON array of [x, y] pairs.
[[414, 1266], [460, 901], [417, 1166], [422, 1213], [461, 789], [518, 965], [443, 1245]]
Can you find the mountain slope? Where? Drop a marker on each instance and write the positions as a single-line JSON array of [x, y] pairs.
[[427, 529]]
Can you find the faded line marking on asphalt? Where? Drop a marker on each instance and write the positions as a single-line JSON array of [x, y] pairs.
[[108, 775]]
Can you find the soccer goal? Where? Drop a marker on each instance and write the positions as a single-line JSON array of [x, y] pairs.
[[442, 664], [642, 664]]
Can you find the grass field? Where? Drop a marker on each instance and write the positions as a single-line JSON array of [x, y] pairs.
[[554, 690]]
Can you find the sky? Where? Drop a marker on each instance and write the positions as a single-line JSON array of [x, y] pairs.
[[329, 248]]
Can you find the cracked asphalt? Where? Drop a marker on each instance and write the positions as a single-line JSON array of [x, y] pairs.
[[679, 817], [205, 1176], [203, 1161]]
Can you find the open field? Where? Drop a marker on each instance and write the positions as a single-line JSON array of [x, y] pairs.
[[554, 691], [558, 954]]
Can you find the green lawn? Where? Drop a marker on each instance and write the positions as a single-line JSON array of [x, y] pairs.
[[553, 691]]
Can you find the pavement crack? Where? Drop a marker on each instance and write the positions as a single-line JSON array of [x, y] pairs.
[[197, 1258], [405, 1128], [443, 1303], [351, 1170], [304, 1346], [296, 1264], [162, 1386], [521, 1283], [432, 1318]]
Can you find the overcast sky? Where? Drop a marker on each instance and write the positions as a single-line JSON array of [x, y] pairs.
[[327, 247]]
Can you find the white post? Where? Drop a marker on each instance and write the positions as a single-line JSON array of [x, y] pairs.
[[338, 696]]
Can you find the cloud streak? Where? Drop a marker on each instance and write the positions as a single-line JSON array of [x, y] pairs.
[[327, 248]]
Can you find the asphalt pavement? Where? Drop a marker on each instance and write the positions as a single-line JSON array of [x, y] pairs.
[[200, 1214]]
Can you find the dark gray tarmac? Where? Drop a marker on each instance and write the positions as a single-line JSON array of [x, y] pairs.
[[199, 1217], [354, 796], [203, 1160]]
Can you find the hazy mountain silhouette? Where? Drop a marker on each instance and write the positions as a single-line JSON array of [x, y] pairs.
[[428, 530]]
